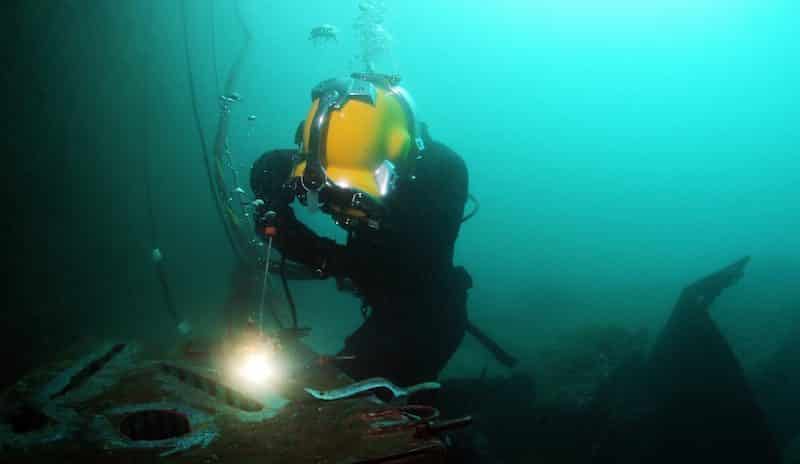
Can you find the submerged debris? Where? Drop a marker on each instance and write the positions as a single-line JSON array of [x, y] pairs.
[[49, 415], [570, 371], [370, 384]]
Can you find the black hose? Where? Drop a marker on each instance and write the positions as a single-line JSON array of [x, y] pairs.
[[199, 126], [149, 194], [214, 45], [265, 283], [288, 292], [240, 236], [166, 293], [161, 271]]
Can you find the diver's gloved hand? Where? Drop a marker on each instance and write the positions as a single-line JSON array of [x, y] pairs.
[[269, 173], [322, 255], [271, 214], [265, 219], [298, 243]]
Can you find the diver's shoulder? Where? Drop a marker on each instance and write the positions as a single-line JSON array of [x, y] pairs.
[[279, 152], [437, 149], [274, 157], [444, 155]]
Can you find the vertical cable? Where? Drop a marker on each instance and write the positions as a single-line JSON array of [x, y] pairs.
[[199, 126], [214, 45]]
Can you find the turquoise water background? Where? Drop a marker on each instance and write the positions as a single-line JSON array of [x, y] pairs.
[[619, 150]]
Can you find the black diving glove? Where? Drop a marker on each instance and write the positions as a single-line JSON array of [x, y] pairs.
[[298, 243], [273, 212]]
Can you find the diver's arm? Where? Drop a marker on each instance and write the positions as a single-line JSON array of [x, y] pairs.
[[299, 243], [296, 241]]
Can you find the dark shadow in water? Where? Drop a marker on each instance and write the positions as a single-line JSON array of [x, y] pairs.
[[698, 405], [777, 383], [688, 401]]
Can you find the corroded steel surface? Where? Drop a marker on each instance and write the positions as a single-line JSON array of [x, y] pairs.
[[84, 423]]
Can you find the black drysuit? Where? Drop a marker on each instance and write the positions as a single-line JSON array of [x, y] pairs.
[[404, 271]]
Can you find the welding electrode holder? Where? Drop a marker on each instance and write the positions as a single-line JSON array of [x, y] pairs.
[[269, 223]]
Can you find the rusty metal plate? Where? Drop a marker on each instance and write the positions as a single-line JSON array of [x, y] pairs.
[[122, 403]]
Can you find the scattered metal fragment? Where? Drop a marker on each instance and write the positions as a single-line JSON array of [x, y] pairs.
[[369, 385]]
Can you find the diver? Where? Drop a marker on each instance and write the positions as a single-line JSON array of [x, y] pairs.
[[364, 158]]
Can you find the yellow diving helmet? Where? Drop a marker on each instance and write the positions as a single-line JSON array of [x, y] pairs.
[[359, 139]]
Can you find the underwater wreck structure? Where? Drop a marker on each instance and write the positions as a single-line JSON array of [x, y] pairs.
[[119, 403]]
